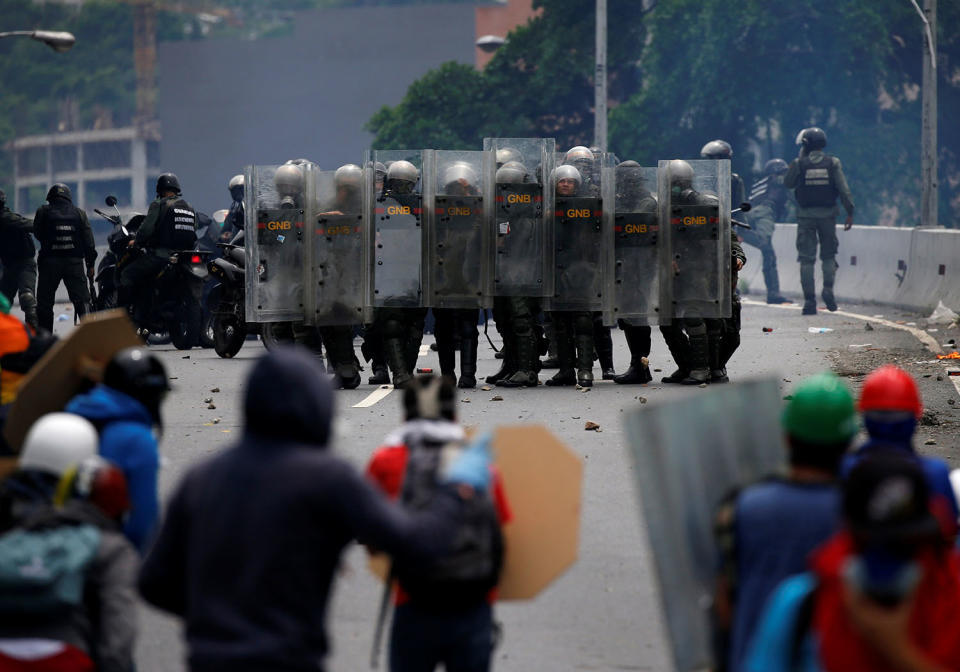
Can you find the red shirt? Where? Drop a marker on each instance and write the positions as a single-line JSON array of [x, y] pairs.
[[387, 468]]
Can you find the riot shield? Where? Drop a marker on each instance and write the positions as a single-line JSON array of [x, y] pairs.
[[695, 227], [581, 236], [336, 289], [524, 254], [634, 292], [688, 455], [394, 240], [459, 268], [274, 210]]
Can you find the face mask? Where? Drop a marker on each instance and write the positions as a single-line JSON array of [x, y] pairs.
[[885, 577]]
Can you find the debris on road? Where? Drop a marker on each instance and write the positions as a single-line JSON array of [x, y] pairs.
[[860, 345], [185, 357], [819, 330], [208, 400], [767, 330], [496, 398], [486, 388], [868, 327], [942, 315], [591, 427], [215, 390], [211, 406], [216, 421]]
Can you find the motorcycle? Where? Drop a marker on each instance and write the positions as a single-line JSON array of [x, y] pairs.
[[118, 243]]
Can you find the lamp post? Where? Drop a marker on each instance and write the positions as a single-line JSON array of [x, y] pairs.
[[929, 215], [600, 79], [59, 41]]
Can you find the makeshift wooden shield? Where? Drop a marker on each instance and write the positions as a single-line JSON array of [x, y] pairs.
[[67, 368], [542, 479]]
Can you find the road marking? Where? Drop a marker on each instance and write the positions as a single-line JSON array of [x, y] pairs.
[[929, 341], [377, 395]]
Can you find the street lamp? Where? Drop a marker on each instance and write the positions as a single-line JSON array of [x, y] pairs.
[[59, 41]]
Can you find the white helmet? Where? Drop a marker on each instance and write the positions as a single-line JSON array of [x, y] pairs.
[[288, 180], [567, 172], [235, 181], [348, 175], [58, 441], [459, 173]]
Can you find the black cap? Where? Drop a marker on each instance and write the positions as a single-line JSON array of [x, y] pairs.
[[886, 499]]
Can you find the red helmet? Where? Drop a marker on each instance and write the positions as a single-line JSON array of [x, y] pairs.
[[890, 388]]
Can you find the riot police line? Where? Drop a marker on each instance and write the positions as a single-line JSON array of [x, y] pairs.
[[573, 234]]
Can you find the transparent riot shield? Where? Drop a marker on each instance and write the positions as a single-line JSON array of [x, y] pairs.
[[459, 269], [524, 254], [394, 239], [695, 227], [336, 287], [634, 293], [274, 207], [688, 455], [582, 234]]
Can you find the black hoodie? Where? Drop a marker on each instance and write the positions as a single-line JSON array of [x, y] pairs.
[[252, 537]]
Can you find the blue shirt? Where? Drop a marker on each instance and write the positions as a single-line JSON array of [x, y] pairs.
[[778, 523]]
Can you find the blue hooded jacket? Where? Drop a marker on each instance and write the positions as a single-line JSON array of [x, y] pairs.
[[126, 439]]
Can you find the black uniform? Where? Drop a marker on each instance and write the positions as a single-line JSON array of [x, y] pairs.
[[17, 253], [66, 241]]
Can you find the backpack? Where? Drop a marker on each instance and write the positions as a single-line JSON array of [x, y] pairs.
[[470, 569], [43, 571]]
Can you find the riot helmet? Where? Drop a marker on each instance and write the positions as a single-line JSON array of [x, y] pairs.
[[512, 172], [630, 182], [140, 374], [812, 138], [56, 442], [459, 179], [577, 156], [717, 149], [235, 186], [299, 162], [379, 174], [168, 182], [681, 175], [567, 180], [402, 177], [506, 155], [288, 181], [775, 167], [59, 190], [348, 176]]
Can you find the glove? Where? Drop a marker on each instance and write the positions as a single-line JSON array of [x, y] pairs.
[[848, 223], [472, 466]]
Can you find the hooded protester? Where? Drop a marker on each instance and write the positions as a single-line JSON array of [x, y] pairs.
[[67, 575], [881, 595], [252, 538], [125, 408]]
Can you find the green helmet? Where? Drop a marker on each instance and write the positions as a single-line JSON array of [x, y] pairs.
[[821, 411]]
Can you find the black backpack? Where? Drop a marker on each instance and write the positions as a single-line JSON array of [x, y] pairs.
[[464, 575]]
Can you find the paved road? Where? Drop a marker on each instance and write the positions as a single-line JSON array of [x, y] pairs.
[[604, 614]]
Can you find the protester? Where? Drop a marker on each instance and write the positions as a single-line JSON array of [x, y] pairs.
[[125, 408], [891, 406], [444, 611], [67, 575], [819, 422], [253, 536], [883, 594]]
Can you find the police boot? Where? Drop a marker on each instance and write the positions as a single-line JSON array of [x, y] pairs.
[[30, 317], [508, 365], [829, 277], [639, 369], [718, 372], [771, 278], [809, 287], [448, 358], [527, 356], [699, 360], [397, 361], [381, 376], [468, 363], [552, 360], [679, 350], [565, 359], [347, 377], [603, 342], [585, 347]]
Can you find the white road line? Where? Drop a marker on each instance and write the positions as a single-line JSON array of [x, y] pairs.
[[929, 341], [377, 395]]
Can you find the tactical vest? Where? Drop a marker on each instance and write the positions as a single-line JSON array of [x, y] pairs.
[[63, 226], [817, 187], [769, 193], [177, 226]]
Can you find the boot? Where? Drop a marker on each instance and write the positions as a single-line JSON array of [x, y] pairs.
[[699, 360], [552, 360], [809, 287], [396, 359], [829, 267], [562, 378], [585, 347], [468, 364], [448, 359], [508, 367], [718, 372], [380, 374], [679, 350], [603, 342], [347, 377], [30, 317], [771, 278], [566, 358], [638, 341], [526, 362]]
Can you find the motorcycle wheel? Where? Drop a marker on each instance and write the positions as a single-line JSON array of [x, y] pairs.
[[184, 328], [229, 333], [275, 334], [208, 333]]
